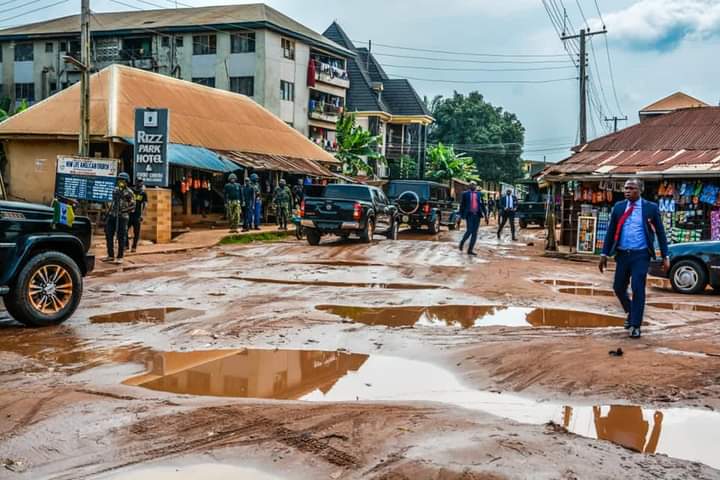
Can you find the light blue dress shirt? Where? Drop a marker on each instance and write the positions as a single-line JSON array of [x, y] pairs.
[[632, 236]]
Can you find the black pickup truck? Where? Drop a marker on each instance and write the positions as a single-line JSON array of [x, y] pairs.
[[343, 210], [42, 264]]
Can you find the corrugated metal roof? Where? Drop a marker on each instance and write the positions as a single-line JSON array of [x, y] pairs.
[[222, 17], [196, 157], [278, 163], [200, 116]]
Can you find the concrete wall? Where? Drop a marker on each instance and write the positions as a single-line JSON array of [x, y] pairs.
[[31, 168]]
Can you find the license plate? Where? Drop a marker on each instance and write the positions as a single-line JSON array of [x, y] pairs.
[[327, 226]]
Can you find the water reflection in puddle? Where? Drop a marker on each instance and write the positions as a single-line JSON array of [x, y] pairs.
[[318, 376], [554, 282], [686, 307], [210, 471], [320, 283], [148, 315], [587, 291], [468, 316], [660, 283]]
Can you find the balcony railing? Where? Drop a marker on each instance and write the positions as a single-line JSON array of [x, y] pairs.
[[329, 74], [324, 111]]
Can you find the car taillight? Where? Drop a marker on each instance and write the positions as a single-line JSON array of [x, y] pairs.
[[426, 209], [357, 211], [302, 208]]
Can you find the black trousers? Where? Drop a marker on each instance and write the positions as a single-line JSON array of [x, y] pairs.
[[116, 227], [507, 216], [135, 224]]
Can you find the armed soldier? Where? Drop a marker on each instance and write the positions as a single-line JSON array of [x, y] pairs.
[[116, 226], [283, 200], [233, 201], [249, 195]]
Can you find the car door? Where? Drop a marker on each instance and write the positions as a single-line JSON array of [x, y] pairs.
[[382, 218]]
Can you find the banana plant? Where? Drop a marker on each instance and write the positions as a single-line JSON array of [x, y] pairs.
[[357, 147], [444, 164]]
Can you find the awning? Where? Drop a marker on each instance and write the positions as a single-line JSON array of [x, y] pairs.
[[199, 158], [277, 163]]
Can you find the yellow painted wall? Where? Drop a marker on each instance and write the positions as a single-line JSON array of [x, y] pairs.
[[31, 168]]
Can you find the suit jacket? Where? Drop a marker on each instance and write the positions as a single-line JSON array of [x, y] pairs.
[[465, 204], [503, 201], [652, 222]]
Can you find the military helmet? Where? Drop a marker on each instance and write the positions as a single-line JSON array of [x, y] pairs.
[[283, 182], [254, 177], [232, 177], [123, 176]]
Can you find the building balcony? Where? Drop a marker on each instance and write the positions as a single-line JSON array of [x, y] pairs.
[[330, 75], [325, 112]]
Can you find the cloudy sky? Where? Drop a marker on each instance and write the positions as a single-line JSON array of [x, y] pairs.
[[657, 47]]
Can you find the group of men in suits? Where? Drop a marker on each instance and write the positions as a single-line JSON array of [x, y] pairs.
[[473, 209]]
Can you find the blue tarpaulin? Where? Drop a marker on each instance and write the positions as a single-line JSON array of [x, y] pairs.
[[200, 158]]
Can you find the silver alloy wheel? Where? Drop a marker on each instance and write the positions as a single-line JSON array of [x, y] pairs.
[[686, 278]]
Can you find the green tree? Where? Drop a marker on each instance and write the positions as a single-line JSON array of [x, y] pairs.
[[357, 147], [403, 167], [5, 112], [443, 164], [493, 137]]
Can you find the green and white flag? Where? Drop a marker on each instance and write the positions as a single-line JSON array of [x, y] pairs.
[[64, 214]]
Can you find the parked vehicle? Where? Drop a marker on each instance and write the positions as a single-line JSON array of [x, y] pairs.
[[531, 209], [344, 210], [692, 267], [422, 203], [42, 265]]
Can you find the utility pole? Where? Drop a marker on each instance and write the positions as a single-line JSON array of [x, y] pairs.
[[615, 121], [583, 35], [84, 139]]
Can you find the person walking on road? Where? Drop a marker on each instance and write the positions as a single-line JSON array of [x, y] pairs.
[[631, 238], [116, 224], [472, 209], [137, 215], [283, 200], [298, 192], [233, 202], [508, 207], [249, 195]]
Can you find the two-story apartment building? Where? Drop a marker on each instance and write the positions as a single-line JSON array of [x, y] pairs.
[[288, 68]]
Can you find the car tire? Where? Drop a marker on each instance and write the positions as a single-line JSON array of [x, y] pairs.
[[37, 297], [366, 235], [688, 276], [394, 231], [522, 223], [434, 227], [313, 237], [541, 224]]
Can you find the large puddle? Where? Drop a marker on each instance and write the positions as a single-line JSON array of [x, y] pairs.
[[556, 282], [209, 471], [147, 315], [320, 376], [321, 283], [686, 307], [587, 291], [468, 316]]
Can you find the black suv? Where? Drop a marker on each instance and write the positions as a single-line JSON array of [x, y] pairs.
[[42, 264], [423, 203]]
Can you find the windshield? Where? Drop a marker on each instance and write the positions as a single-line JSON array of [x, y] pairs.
[[348, 192], [397, 189]]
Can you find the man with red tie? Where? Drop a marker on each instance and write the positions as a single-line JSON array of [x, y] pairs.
[[631, 238], [472, 209]]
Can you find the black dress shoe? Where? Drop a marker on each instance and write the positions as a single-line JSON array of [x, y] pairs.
[[472, 254], [460, 247], [635, 333]]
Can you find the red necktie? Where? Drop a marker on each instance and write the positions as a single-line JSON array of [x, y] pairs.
[[622, 221], [473, 202]]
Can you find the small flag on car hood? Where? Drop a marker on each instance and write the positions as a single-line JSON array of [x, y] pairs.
[[64, 214]]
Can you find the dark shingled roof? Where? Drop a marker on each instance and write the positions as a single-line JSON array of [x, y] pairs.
[[398, 97]]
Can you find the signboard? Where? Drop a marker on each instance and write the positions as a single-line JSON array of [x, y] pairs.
[[82, 178], [151, 146], [586, 234]]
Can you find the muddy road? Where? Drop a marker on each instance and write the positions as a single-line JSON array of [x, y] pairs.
[[393, 360]]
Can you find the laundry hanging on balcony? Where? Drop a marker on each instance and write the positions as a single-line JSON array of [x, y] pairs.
[[311, 73]]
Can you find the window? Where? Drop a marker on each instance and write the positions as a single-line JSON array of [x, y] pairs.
[[24, 52], [25, 91], [49, 47], [207, 81], [288, 48], [244, 85], [179, 41], [242, 42], [63, 46], [287, 91], [204, 44], [140, 47], [165, 42]]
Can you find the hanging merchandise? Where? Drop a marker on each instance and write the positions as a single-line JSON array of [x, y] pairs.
[[715, 225], [709, 194]]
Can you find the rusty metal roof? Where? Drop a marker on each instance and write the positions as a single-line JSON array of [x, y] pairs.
[[278, 163], [201, 116], [685, 142]]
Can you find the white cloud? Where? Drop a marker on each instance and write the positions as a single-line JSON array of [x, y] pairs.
[[663, 24]]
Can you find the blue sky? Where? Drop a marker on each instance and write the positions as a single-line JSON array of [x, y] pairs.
[[657, 47]]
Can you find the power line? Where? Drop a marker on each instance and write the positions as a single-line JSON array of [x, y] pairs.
[[436, 80], [582, 14], [419, 67], [3, 20], [435, 59], [467, 54]]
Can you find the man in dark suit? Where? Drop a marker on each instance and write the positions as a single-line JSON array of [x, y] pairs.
[[631, 238], [508, 207], [472, 209]]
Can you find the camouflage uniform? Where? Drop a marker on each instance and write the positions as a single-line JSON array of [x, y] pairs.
[[116, 226], [233, 201], [283, 202]]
